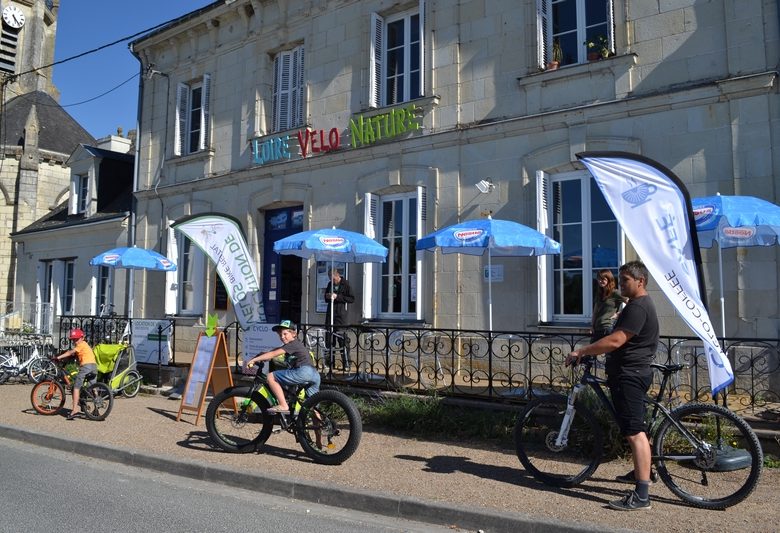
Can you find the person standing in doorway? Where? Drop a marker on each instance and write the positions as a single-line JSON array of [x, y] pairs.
[[338, 294], [630, 349]]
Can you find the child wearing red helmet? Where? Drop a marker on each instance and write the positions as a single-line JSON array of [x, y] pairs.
[[87, 365]]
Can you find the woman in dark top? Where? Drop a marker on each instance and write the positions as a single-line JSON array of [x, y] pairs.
[[607, 305]]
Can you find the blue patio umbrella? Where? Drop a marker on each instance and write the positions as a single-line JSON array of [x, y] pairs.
[[332, 245], [733, 221], [133, 258], [496, 237]]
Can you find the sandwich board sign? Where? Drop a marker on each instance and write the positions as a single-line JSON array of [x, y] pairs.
[[210, 367]]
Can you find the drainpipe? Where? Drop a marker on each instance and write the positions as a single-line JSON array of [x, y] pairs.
[[136, 171]]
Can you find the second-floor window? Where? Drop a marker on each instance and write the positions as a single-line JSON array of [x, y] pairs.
[[397, 57], [192, 116], [569, 24], [82, 193], [288, 90]]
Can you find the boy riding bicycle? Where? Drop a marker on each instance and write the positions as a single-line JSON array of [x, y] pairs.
[[301, 369], [87, 365]]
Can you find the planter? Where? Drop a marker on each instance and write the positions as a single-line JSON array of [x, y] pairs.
[[552, 65], [594, 56]]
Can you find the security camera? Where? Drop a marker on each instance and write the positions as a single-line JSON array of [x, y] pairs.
[[485, 186]]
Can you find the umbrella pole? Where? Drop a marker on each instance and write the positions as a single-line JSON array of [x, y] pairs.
[[722, 299], [490, 291]]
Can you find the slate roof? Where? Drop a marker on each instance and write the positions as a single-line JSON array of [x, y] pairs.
[[58, 131]]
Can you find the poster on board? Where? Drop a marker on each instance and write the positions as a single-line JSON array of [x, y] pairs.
[[259, 338], [210, 366], [145, 340], [323, 279]]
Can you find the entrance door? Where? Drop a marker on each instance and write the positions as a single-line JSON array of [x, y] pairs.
[[282, 273]]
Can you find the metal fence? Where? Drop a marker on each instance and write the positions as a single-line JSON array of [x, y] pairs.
[[26, 318]]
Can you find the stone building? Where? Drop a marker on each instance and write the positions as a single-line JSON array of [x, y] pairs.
[[396, 118], [36, 135]]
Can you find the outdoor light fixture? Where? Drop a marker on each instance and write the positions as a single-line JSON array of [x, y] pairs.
[[485, 186]]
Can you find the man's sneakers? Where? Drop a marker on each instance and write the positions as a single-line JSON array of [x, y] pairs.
[[630, 502], [628, 477]]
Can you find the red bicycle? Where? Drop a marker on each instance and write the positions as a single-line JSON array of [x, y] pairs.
[[48, 396]]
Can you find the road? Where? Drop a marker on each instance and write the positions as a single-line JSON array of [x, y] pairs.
[[39, 496]]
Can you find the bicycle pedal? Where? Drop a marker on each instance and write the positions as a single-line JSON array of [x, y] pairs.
[[276, 430]]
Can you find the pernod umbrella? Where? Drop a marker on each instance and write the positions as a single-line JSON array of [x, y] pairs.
[[496, 237], [733, 221], [332, 245]]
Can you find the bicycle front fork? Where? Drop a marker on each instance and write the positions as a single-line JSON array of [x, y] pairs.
[[562, 440]]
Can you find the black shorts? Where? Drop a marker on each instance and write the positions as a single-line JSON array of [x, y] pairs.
[[629, 390]]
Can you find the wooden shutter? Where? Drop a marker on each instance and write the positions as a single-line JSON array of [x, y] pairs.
[[422, 51], [375, 60], [545, 279], [282, 90], [298, 93], [422, 230], [370, 206], [205, 115], [611, 25], [180, 124], [543, 32], [171, 278]]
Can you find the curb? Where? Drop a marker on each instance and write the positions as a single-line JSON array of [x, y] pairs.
[[310, 491]]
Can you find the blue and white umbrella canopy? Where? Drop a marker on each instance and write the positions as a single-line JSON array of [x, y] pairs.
[[733, 221], [133, 258], [332, 245], [502, 238]]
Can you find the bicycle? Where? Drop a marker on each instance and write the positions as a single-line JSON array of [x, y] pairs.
[[705, 454], [48, 396], [36, 368], [327, 424]]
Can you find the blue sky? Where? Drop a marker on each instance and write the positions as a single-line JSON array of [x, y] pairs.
[[86, 24]]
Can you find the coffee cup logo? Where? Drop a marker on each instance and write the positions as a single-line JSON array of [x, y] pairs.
[[639, 194]]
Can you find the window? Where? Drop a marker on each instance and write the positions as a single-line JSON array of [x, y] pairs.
[[82, 193], [68, 287], [186, 285], [192, 116], [393, 285], [397, 57], [103, 304], [44, 315], [570, 23], [9, 42], [574, 212], [288, 90]]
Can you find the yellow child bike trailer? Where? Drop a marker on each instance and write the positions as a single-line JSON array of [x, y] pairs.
[[117, 368]]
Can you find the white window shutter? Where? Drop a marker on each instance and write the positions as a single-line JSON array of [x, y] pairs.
[[57, 282], [422, 55], [297, 88], [172, 278], [375, 60], [205, 114], [282, 90], [544, 277], [93, 283], [180, 124], [370, 206], [422, 230], [611, 25], [543, 31]]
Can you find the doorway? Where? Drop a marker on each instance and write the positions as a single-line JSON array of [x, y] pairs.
[[282, 274]]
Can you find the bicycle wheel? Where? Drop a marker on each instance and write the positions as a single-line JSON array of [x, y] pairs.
[[564, 465], [131, 384], [96, 400], [47, 397], [236, 423], [719, 470], [5, 360], [41, 369], [329, 427]]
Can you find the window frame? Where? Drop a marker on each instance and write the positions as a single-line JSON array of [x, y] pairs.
[[545, 30], [82, 193], [548, 278], [183, 142], [378, 56], [68, 296]]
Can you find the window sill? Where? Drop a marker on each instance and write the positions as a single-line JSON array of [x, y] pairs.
[[201, 155]]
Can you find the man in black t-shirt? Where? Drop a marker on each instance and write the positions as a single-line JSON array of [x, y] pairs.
[[630, 349]]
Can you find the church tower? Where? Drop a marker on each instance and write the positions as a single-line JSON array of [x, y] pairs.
[[36, 135]]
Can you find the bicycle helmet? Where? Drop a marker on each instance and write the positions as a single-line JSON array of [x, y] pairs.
[[76, 334]]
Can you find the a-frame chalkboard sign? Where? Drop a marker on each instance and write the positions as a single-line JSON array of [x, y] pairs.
[[210, 366]]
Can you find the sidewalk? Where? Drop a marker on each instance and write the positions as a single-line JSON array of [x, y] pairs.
[[446, 483]]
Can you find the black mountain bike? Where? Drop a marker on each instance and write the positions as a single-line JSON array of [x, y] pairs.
[[707, 455], [327, 425]]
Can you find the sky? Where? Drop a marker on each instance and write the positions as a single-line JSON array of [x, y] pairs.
[[83, 25]]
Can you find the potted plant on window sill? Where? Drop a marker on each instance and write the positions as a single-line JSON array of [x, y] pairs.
[[557, 56], [598, 48]]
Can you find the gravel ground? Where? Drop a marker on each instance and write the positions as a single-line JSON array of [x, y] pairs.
[[454, 473]]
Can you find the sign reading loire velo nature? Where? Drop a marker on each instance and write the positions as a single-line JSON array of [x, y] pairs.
[[364, 130]]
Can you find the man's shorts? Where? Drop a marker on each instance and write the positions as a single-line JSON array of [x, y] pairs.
[[84, 370], [629, 391], [298, 376]]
